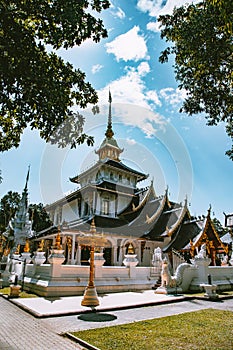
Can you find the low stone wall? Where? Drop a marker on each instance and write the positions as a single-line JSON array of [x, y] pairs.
[[222, 276], [56, 279], [73, 279]]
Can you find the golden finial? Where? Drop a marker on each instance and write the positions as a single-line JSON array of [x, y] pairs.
[[17, 250], [41, 246], [58, 241], [26, 247], [93, 227], [6, 251], [69, 243], [130, 249], [209, 211]]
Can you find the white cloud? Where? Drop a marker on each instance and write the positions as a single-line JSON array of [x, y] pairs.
[[96, 68], [153, 96], [173, 96], [131, 141], [128, 46], [143, 68], [156, 8], [153, 26], [131, 88], [133, 104], [119, 13], [151, 6], [170, 4]]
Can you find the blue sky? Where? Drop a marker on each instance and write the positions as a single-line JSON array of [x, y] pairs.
[[178, 151]]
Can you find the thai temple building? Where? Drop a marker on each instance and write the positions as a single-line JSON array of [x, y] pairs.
[[127, 215], [113, 230]]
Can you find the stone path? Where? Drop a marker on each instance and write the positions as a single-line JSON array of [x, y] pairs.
[[21, 331]]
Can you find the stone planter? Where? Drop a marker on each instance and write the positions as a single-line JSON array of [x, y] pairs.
[[130, 260], [38, 258], [26, 256], [99, 259], [56, 256], [210, 290]]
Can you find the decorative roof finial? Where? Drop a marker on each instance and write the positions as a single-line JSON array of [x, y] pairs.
[[186, 201], [109, 132], [209, 210], [93, 227]]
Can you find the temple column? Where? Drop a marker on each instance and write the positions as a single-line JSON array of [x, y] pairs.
[[94, 202], [60, 215], [72, 250], [121, 255], [138, 250], [114, 248], [78, 255]]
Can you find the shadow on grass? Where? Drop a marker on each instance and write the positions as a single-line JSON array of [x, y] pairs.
[[97, 317]]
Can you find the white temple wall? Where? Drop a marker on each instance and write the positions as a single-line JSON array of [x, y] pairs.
[[57, 215], [70, 211], [123, 203], [112, 206], [147, 254], [98, 205], [72, 280], [220, 273]]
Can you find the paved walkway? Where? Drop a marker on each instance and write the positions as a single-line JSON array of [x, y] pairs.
[[20, 330]]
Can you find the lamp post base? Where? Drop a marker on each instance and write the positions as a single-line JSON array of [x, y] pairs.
[[90, 297]]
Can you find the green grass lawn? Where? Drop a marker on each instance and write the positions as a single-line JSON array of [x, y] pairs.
[[201, 330]]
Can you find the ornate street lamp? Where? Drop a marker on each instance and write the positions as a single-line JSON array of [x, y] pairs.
[[93, 240]]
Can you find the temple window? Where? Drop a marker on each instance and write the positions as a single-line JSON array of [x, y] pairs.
[[85, 207], [105, 206], [120, 178], [111, 176]]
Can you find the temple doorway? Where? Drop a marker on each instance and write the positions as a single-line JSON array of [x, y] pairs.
[[85, 255], [108, 256]]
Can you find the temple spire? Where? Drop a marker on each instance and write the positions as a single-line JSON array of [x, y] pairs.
[[25, 191], [109, 132], [109, 148], [27, 178]]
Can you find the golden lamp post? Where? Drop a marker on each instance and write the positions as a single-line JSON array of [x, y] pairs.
[[93, 240]]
